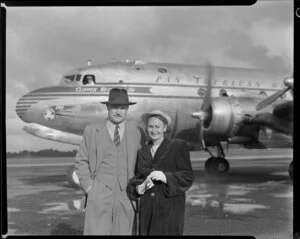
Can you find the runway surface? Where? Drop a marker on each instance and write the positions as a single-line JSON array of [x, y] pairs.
[[255, 199]]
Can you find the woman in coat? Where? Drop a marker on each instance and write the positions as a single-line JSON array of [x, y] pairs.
[[163, 175]]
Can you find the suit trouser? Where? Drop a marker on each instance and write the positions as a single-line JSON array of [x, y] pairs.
[[109, 211]]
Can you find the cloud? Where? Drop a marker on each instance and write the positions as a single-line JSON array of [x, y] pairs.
[[11, 101], [277, 39]]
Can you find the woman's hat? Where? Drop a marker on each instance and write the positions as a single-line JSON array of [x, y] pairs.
[[118, 97], [145, 117]]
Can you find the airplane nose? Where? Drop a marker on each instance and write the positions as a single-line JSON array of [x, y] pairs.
[[21, 107]]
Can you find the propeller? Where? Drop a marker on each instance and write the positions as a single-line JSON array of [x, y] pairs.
[[288, 82], [203, 113]]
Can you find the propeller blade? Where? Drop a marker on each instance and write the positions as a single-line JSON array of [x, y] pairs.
[[201, 133], [269, 100], [201, 116], [207, 99], [203, 113], [206, 102]]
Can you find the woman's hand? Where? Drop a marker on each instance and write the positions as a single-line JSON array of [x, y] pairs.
[[148, 183], [140, 189], [158, 175]]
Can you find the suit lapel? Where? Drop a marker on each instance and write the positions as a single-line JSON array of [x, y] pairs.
[[130, 147], [129, 141], [146, 153], [161, 151], [101, 130]]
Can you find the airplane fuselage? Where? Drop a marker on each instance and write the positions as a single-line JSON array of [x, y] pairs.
[[176, 89]]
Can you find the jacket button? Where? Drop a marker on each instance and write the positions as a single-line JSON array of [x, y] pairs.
[[152, 194]]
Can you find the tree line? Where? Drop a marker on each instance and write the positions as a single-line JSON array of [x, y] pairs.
[[42, 153]]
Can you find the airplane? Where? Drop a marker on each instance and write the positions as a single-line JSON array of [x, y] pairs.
[[209, 106]]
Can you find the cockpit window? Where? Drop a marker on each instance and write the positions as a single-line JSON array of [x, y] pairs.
[[69, 78], [78, 77], [88, 80]]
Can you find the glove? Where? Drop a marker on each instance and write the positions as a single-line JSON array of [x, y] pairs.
[[140, 189], [158, 175]]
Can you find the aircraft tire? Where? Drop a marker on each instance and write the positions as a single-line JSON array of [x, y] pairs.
[[72, 177], [208, 164], [220, 166], [291, 169]]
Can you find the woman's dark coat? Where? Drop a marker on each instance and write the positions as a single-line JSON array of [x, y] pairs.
[[162, 206]]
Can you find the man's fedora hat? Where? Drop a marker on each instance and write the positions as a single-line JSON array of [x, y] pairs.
[[154, 113], [118, 97]]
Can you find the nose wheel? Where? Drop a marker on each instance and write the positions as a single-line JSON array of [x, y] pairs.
[[217, 166]]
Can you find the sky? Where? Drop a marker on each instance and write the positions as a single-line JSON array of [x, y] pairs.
[[45, 42]]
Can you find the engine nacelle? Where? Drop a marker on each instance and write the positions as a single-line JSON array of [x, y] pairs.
[[225, 115]]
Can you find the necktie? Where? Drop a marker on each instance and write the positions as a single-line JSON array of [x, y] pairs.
[[117, 136]]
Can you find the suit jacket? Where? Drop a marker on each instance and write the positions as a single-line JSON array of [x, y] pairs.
[[87, 161]]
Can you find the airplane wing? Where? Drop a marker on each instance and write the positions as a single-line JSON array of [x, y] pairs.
[[52, 134], [239, 120], [280, 119]]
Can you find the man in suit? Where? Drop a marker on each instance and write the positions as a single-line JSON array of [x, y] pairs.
[[104, 164]]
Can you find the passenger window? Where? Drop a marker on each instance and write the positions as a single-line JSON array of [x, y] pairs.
[[223, 92], [162, 70], [201, 92], [263, 93]]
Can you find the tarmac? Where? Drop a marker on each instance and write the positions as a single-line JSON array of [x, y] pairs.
[[256, 199]]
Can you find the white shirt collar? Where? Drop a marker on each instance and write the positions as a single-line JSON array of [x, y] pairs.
[[155, 147], [111, 129]]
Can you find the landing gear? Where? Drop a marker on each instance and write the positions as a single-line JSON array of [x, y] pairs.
[[208, 163], [218, 166], [72, 177], [291, 170]]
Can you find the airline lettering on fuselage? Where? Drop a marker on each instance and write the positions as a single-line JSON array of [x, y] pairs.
[[59, 107], [107, 89], [276, 85], [202, 80], [240, 83], [197, 78], [83, 89]]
